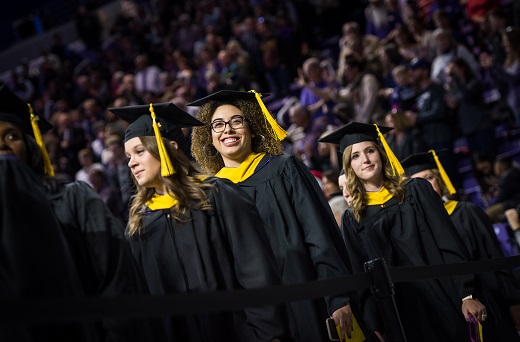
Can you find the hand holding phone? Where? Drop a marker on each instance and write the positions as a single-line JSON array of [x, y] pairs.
[[335, 331], [332, 330]]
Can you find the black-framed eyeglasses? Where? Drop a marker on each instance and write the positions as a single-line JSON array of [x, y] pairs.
[[235, 122]]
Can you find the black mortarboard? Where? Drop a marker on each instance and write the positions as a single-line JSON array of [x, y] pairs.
[[418, 162], [170, 118], [353, 133], [14, 109], [158, 120], [227, 96], [356, 132]]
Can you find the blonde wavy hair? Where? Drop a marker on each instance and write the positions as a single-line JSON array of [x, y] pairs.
[[438, 178], [263, 138], [354, 185], [185, 185]]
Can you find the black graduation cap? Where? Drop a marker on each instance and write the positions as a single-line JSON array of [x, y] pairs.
[[356, 132], [170, 118], [14, 109], [353, 133], [227, 96], [418, 162], [159, 120]]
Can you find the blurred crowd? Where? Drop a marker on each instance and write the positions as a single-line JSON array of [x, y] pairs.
[[439, 72]]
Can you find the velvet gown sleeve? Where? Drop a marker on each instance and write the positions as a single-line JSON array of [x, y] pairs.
[[320, 230], [429, 205], [102, 255], [482, 242], [254, 263], [35, 261]]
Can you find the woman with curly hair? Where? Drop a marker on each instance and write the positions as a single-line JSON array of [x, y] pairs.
[[240, 141], [191, 233], [404, 223]]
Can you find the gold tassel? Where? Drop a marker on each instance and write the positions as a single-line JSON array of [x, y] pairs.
[[394, 162], [166, 164], [444, 175], [39, 140], [279, 132]]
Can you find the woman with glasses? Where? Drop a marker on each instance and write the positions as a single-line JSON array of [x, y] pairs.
[[194, 234], [240, 141]]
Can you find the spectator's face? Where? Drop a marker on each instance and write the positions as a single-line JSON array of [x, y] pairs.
[[342, 180], [400, 78], [499, 169], [443, 42], [297, 117], [12, 141], [313, 72], [483, 167], [323, 149], [85, 160], [329, 187]]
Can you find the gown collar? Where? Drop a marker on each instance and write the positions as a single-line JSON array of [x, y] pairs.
[[245, 170]]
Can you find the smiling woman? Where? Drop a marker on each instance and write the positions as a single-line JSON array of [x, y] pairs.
[[403, 222], [299, 222], [191, 233]]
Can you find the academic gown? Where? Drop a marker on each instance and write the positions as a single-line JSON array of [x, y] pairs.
[[225, 249], [303, 235], [499, 289], [35, 262], [417, 232], [102, 257]]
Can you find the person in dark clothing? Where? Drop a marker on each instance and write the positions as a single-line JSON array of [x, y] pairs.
[[35, 262], [404, 139], [193, 234], [405, 224], [465, 96], [508, 189], [478, 234], [99, 251], [238, 142], [431, 116]]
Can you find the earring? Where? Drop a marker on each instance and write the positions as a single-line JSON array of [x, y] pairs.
[[205, 151], [262, 138]]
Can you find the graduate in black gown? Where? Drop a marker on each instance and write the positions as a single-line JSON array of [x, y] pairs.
[[240, 141], [499, 289], [95, 238], [35, 262], [405, 223], [194, 234]]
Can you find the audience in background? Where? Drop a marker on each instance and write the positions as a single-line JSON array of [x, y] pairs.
[[352, 67]]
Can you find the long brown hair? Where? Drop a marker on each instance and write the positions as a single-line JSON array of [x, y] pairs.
[[354, 185], [512, 34], [185, 185], [263, 139]]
